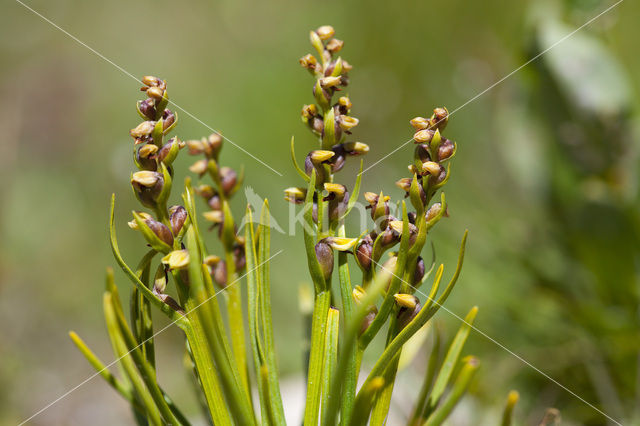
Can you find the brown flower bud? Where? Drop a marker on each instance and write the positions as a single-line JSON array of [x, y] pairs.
[[220, 274], [143, 129], [195, 147], [334, 45], [368, 319], [239, 257], [407, 314], [363, 254], [440, 118], [420, 123], [431, 167], [161, 231], [445, 150], [149, 80], [404, 184], [155, 92], [325, 32], [324, 254], [309, 62], [205, 191], [147, 186], [147, 107], [228, 180], [215, 216], [177, 217], [168, 118], [199, 167], [433, 211], [419, 271], [214, 202], [423, 136]]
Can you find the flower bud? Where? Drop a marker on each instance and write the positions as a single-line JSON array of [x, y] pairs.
[[215, 216], [406, 314], [363, 254], [168, 118], [214, 202], [177, 259], [228, 180], [147, 108], [404, 184], [199, 167], [419, 272], [145, 157], [143, 129], [155, 92], [440, 118], [177, 217], [149, 80], [161, 231], [195, 147], [335, 45], [309, 62], [328, 82], [143, 215], [220, 273], [346, 67], [368, 319], [324, 254], [147, 186], [295, 195], [431, 167], [445, 150], [205, 191], [239, 257], [169, 151], [423, 136], [213, 145], [325, 32], [420, 123]]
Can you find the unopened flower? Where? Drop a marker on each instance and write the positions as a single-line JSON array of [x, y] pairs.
[[419, 272], [325, 32], [144, 215], [199, 167], [155, 92], [363, 253], [309, 62], [328, 82], [149, 80], [143, 129], [431, 167], [215, 216], [404, 184], [177, 259], [420, 123], [335, 45], [177, 217], [445, 150], [440, 118], [147, 107], [423, 136], [228, 180], [324, 254]]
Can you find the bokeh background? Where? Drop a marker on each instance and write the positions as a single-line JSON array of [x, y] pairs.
[[544, 179]]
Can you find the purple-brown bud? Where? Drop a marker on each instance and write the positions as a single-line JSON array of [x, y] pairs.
[[177, 217], [147, 186], [161, 231], [419, 271], [363, 254], [147, 107], [324, 254], [445, 150], [168, 118], [220, 274], [440, 118], [228, 180]]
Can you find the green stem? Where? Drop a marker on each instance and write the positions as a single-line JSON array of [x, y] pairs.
[[314, 384]]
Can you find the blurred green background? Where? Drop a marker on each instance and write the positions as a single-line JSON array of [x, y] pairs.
[[544, 179]]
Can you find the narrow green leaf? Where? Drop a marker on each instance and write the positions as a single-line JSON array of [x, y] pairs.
[[450, 360], [301, 172], [315, 375], [469, 368], [330, 358]]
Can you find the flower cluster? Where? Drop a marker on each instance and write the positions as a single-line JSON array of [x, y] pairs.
[[226, 183]]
